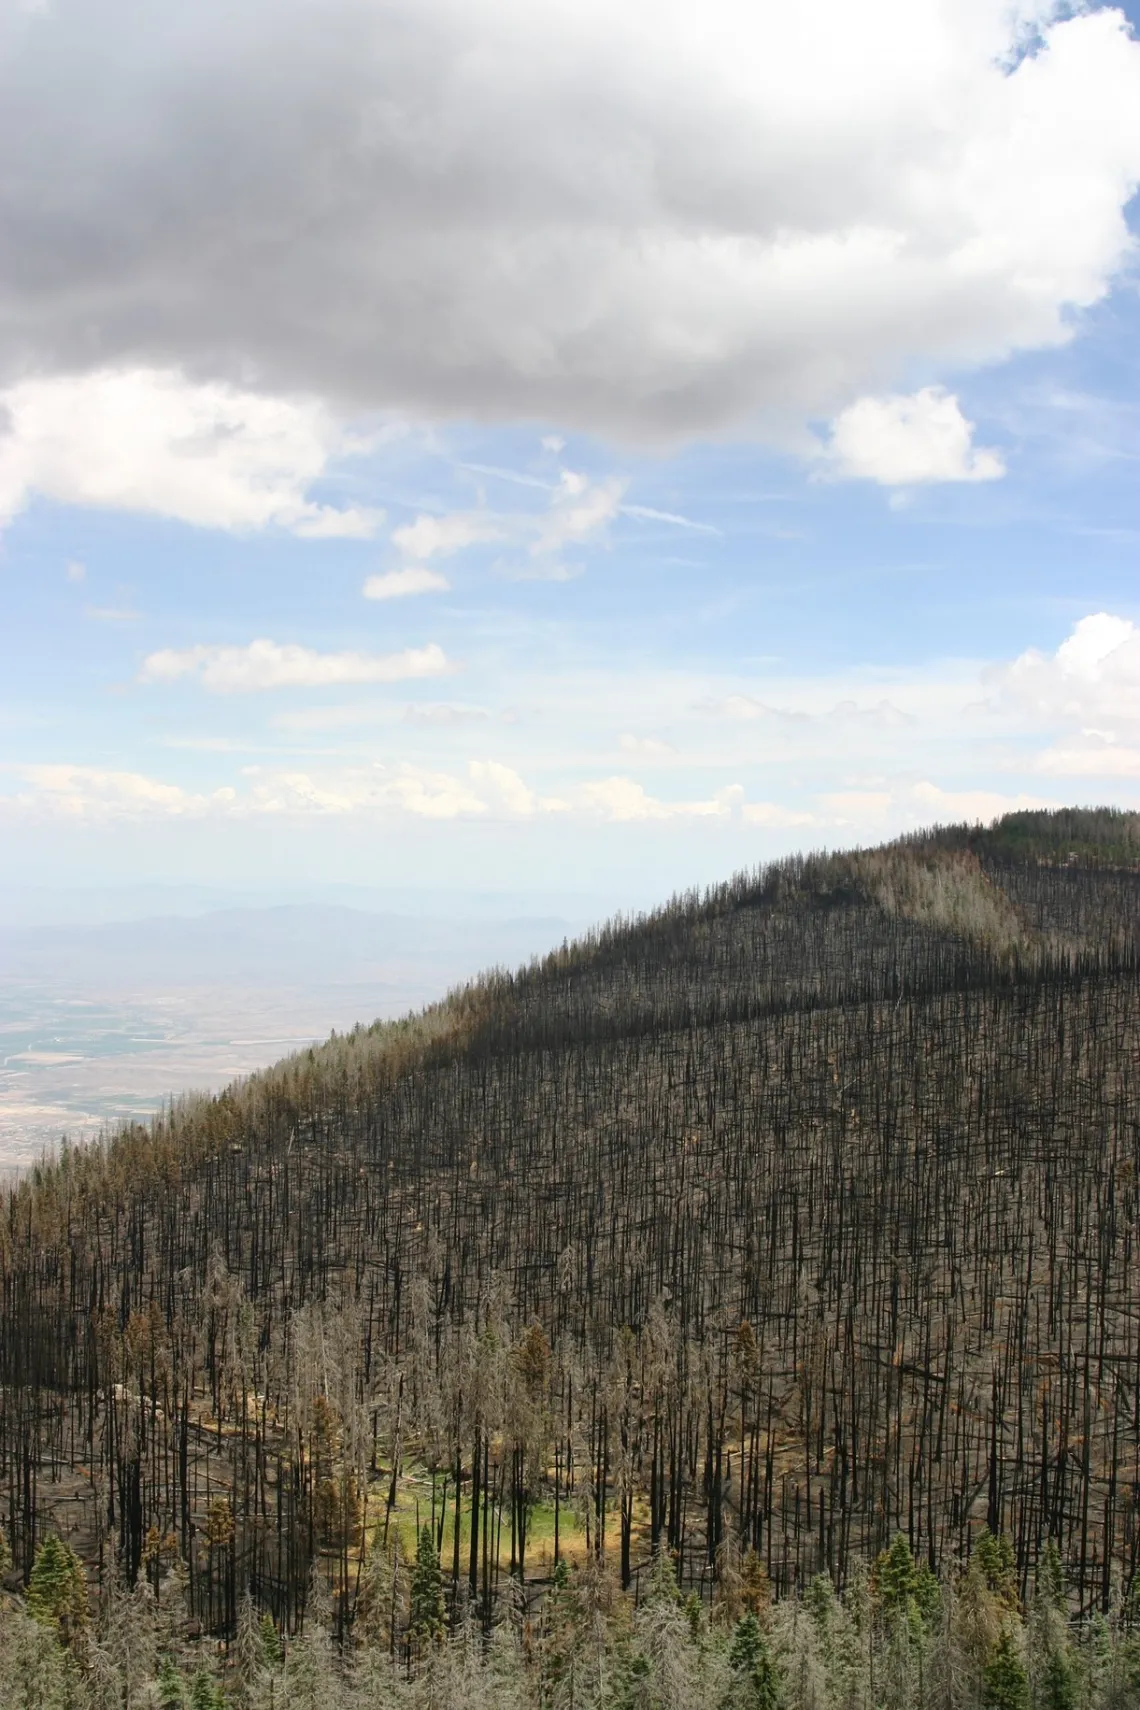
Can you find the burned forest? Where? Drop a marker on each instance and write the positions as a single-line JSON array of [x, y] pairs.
[[753, 1234]]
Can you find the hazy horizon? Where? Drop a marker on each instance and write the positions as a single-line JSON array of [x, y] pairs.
[[102, 1023], [490, 464]]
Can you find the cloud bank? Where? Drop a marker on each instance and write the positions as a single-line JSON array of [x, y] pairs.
[[649, 220], [490, 789], [802, 760]]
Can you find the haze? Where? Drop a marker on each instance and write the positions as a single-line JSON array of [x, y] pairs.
[[488, 466]]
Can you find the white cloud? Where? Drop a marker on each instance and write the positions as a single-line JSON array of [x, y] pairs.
[[903, 441], [773, 814], [271, 665], [93, 793], [1090, 757], [84, 792], [738, 708], [510, 793], [1092, 678], [877, 812], [148, 440], [862, 755], [1086, 693], [652, 747], [578, 508], [623, 799], [490, 789], [357, 715], [972, 805], [398, 584], [849, 808], [89, 793], [652, 219], [364, 790], [1092, 644], [76, 571], [444, 714], [537, 570], [439, 537]]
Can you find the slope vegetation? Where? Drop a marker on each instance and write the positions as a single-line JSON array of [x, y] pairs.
[[785, 1219]]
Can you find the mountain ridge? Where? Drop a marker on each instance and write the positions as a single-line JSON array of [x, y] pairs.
[[816, 1190]]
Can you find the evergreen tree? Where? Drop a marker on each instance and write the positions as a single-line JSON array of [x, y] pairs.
[[895, 1576], [171, 1688], [751, 1657], [666, 1668], [272, 1648], [927, 1595], [977, 1620], [663, 1587], [1096, 1659], [1057, 1687], [849, 1663], [803, 1672], [428, 1609], [1052, 1676], [57, 1590], [1050, 1586], [995, 1559], [1006, 1684], [35, 1674], [205, 1694]]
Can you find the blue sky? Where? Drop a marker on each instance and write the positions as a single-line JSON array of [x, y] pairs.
[[605, 582]]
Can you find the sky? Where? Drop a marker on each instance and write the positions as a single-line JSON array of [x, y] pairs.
[[567, 450]]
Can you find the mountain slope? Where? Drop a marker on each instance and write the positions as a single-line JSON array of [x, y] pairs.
[[783, 1219]]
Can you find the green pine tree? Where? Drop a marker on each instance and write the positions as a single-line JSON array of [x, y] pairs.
[[663, 1580], [637, 1688], [1058, 1689], [171, 1690], [821, 1603], [57, 1590], [1005, 1682], [994, 1556], [896, 1579], [271, 1640], [1051, 1578], [927, 1595], [204, 1693], [428, 1609], [751, 1657]]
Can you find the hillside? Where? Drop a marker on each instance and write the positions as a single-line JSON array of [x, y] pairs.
[[788, 1218]]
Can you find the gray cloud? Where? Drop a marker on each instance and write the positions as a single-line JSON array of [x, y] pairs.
[[649, 220]]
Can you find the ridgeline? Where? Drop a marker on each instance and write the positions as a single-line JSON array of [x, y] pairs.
[[784, 1220]]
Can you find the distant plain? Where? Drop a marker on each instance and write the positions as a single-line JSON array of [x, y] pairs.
[[101, 1023]]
